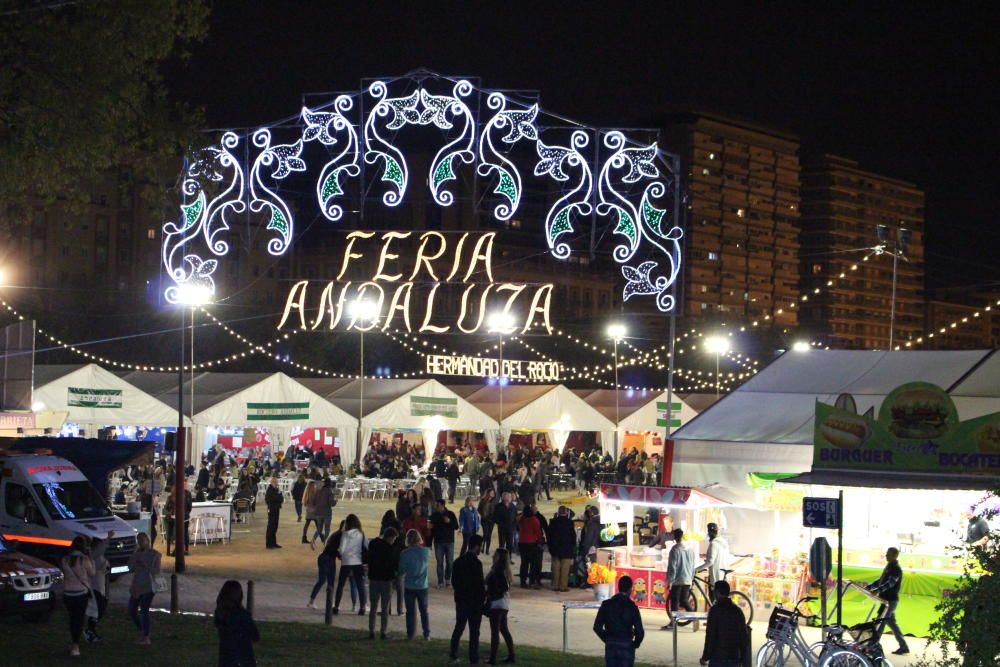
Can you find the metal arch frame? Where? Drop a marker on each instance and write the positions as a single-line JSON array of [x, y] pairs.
[[608, 175]]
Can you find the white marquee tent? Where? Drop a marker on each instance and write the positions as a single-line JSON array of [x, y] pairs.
[[637, 409], [558, 411], [93, 398], [399, 404]]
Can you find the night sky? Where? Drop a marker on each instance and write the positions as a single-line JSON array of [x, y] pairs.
[[904, 89]]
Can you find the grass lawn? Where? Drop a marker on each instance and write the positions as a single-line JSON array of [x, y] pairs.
[[191, 641]]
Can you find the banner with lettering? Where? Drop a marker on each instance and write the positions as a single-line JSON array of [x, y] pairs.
[[428, 406], [277, 411], [917, 430], [94, 398]]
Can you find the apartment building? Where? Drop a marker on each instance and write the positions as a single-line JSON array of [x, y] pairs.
[[848, 283], [742, 186]]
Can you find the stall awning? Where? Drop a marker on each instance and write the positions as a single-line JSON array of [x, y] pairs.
[[903, 480], [661, 496]]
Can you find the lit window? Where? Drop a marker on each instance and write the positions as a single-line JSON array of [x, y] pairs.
[[150, 233], [706, 172], [711, 156], [740, 213], [713, 256]]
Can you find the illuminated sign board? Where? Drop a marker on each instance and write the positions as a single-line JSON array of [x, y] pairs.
[[404, 289], [512, 369]]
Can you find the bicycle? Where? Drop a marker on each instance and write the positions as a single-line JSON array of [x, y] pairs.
[[785, 641], [700, 587]]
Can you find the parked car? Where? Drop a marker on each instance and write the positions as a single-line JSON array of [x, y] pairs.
[[28, 586]]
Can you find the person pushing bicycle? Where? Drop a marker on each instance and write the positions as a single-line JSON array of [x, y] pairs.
[[717, 558]]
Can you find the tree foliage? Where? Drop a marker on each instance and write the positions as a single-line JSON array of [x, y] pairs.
[[969, 626], [82, 91]]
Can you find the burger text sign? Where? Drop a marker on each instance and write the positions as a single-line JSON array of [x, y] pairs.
[[917, 430]]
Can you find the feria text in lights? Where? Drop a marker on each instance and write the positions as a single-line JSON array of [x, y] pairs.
[[590, 176]]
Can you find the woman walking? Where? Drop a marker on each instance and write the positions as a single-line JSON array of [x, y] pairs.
[[298, 492], [487, 506], [468, 523], [78, 572], [414, 563], [323, 502], [98, 587], [326, 567], [237, 631], [144, 564], [352, 546], [307, 497], [498, 583]]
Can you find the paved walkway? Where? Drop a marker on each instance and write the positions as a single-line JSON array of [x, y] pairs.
[[283, 579]]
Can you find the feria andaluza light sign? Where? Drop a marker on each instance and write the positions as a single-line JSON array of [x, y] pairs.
[[591, 177]]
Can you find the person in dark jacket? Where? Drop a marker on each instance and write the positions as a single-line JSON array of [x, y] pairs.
[[202, 482], [383, 567], [452, 474], [444, 523], [298, 490], [887, 588], [434, 485], [619, 625], [726, 638], [467, 580], [273, 498], [505, 519], [237, 631], [562, 548]]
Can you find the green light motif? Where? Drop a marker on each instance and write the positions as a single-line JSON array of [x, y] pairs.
[[653, 216], [626, 225], [393, 173], [193, 210], [444, 171], [278, 221], [331, 186], [561, 224], [507, 187]]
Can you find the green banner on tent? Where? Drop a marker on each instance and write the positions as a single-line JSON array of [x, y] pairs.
[[428, 406], [661, 411], [277, 411], [917, 430], [94, 398]]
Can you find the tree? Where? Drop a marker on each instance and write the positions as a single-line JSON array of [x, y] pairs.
[[970, 616], [83, 92]]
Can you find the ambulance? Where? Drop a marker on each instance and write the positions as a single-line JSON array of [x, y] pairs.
[[45, 501]]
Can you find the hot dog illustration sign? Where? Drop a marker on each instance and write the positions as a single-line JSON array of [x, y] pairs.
[[917, 429]]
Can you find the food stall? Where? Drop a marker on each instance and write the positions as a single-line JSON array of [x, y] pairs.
[[687, 508]]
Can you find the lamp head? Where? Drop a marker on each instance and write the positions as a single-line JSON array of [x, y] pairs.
[[193, 294], [500, 322], [717, 344], [801, 346], [364, 309], [616, 331]]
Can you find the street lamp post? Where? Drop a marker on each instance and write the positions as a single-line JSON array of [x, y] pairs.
[[365, 311], [187, 296], [616, 332], [897, 248], [500, 323], [717, 345]]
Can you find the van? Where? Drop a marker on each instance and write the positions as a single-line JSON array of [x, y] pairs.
[[45, 501]]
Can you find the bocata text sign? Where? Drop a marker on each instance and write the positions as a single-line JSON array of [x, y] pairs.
[[513, 369]]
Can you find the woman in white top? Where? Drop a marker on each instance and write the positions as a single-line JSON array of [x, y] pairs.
[[78, 572], [352, 551]]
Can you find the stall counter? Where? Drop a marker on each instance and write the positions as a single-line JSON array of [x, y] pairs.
[[646, 567]]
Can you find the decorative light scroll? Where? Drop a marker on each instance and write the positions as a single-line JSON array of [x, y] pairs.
[[635, 190]]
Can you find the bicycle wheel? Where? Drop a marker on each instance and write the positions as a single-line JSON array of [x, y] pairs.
[[844, 657], [743, 601], [773, 654], [692, 603]]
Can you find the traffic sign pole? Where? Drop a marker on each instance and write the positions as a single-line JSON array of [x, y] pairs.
[[840, 561]]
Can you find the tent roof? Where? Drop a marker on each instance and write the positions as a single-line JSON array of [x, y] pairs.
[[210, 389], [978, 393], [487, 398], [629, 400], [397, 413], [778, 404], [559, 409], [345, 394], [139, 408]]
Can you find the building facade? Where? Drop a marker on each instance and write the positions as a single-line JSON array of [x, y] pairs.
[[743, 196], [847, 282]]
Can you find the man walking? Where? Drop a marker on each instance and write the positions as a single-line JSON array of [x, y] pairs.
[[505, 519], [452, 474], [619, 625], [680, 574], [562, 547], [382, 570], [887, 588], [444, 523], [273, 499], [467, 580], [726, 638]]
